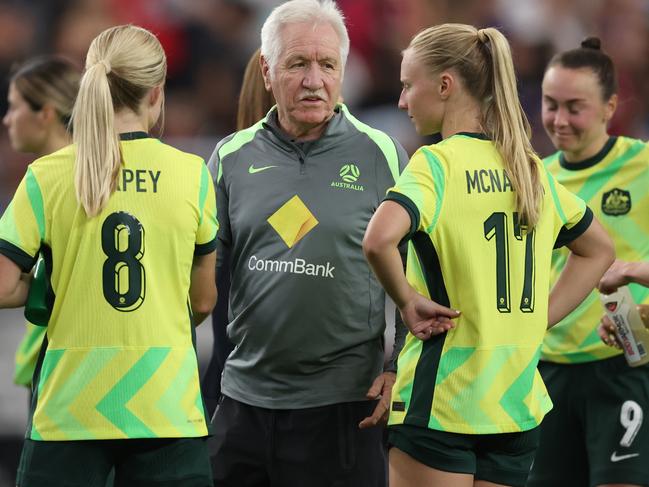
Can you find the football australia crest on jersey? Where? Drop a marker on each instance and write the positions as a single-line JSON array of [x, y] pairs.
[[349, 175], [616, 202]]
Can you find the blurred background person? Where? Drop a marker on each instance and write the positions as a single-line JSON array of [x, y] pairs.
[[40, 100], [595, 434], [254, 99]]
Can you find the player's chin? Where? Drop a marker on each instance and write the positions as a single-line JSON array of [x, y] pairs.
[[563, 142], [422, 128]]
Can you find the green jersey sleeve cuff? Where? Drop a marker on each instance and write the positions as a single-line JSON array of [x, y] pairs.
[[19, 257], [206, 248], [410, 207], [568, 235]]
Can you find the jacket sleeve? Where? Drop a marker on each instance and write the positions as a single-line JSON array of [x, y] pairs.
[[224, 235]]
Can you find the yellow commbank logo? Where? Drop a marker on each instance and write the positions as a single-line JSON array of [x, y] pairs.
[[292, 221]]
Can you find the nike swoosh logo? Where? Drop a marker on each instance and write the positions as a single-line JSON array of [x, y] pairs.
[[252, 169], [618, 458]]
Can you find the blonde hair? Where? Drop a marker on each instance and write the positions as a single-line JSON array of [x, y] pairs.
[[482, 58], [48, 80], [123, 63], [254, 99]]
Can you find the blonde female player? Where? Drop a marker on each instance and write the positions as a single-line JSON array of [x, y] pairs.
[[41, 96], [482, 217], [601, 403], [130, 224]]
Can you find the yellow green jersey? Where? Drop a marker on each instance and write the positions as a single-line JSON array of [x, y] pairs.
[[615, 184], [120, 359], [470, 251], [37, 311], [27, 354]]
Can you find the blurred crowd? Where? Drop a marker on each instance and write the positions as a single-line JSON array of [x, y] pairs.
[[208, 43]]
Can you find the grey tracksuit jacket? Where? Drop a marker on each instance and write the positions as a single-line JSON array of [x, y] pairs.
[[306, 313]]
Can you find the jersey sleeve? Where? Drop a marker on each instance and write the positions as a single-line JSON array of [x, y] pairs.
[[573, 214], [420, 190], [22, 226], [208, 225]]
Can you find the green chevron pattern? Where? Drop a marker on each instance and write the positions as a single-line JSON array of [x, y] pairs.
[[114, 405], [179, 387], [61, 400], [513, 401], [475, 391]]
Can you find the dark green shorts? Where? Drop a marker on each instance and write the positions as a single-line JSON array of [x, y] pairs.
[[503, 458], [167, 462], [598, 431]]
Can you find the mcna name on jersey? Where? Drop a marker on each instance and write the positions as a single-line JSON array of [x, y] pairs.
[[487, 181]]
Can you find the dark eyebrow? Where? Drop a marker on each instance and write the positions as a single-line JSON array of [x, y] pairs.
[[568, 102]]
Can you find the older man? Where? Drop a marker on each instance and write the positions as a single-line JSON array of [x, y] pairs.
[[295, 194]]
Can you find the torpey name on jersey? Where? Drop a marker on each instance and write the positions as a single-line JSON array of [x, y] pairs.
[[296, 266]]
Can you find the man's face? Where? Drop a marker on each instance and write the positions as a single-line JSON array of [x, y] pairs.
[[306, 79]]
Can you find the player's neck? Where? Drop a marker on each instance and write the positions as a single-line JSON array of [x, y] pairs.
[[129, 121]]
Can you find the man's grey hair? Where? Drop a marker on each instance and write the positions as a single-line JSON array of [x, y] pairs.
[[301, 11]]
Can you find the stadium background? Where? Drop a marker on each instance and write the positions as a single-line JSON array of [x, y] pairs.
[[208, 43]]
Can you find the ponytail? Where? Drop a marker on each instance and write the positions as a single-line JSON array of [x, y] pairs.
[[505, 119], [122, 65], [98, 153]]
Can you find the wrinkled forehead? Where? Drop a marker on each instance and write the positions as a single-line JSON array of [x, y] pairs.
[[309, 39]]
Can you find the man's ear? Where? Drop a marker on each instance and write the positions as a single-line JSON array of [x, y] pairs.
[[265, 72]]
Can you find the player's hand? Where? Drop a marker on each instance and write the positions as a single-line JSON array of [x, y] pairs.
[[606, 332], [614, 277], [382, 390], [426, 318]]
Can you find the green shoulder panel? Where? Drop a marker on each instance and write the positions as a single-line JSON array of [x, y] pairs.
[[437, 171], [36, 200], [202, 194], [555, 196], [381, 139], [238, 139]]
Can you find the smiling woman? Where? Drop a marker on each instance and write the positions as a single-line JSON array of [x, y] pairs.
[[612, 175], [579, 101]]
